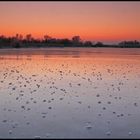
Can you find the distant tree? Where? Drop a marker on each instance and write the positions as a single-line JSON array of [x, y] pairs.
[[28, 37], [99, 44], [65, 42], [52, 40], [76, 39], [47, 38], [88, 44], [15, 43], [2, 38], [129, 44], [17, 36], [20, 37]]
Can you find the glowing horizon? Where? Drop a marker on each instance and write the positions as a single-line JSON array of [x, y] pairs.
[[94, 21]]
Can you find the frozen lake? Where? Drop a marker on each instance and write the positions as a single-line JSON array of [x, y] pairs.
[[70, 93]]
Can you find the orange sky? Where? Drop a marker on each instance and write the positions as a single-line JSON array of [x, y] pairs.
[[95, 21]]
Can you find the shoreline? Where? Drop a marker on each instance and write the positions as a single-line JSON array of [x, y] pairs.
[[71, 51], [10, 47]]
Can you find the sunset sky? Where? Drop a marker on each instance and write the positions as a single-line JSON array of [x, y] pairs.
[[109, 22]]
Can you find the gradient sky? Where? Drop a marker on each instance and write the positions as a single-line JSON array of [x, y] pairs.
[[95, 21]]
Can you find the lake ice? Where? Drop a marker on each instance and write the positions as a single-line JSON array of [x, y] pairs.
[[70, 93]]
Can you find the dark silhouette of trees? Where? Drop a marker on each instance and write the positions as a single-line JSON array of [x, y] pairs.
[[76, 41], [47, 38], [129, 44], [18, 41], [88, 44], [66, 42], [19, 37], [99, 44], [29, 38]]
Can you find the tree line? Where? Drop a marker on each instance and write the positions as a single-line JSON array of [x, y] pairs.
[[18, 41]]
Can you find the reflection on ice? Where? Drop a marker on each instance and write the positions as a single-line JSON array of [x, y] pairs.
[[73, 94]]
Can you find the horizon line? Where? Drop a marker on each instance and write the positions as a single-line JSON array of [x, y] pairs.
[[83, 40]]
